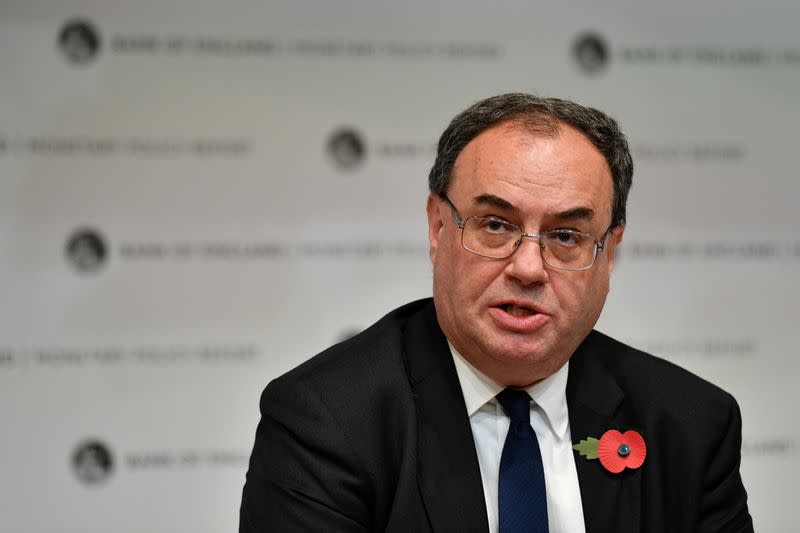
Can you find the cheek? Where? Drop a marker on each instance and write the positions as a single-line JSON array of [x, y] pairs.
[[447, 261], [466, 276], [455, 261], [579, 297], [594, 295], [446, 275]]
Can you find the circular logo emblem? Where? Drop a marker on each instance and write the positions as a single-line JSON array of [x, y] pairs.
[[92, 462], [86, 251], [591, 53], [346, 148], [79, 41]]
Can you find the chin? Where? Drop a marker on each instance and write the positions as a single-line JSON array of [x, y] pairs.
[[525, 351], [523, 370]]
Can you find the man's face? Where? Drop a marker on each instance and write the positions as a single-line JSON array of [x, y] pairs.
[[518, 320]]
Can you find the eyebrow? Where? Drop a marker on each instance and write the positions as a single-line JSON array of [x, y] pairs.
[[494, 201], [576, 213]]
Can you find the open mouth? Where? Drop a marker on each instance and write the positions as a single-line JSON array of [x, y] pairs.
[[517, 311]]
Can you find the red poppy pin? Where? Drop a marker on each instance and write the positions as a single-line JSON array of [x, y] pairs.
[[616, 451]]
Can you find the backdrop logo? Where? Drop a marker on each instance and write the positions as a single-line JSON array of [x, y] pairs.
[[79, 41], [86, 251], [346, 148], [590, 52], [92, 462]]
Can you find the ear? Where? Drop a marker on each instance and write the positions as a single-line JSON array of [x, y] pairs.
[[435, 223], [613, 240]]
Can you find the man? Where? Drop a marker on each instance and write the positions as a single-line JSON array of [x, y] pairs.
[[460, 414]]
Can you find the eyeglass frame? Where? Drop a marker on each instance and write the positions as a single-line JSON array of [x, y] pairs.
[[599, 246]]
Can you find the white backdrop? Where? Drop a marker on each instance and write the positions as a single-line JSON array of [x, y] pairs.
[[179, 221]]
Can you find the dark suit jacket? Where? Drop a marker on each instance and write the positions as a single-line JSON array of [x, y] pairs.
[[373, 435]]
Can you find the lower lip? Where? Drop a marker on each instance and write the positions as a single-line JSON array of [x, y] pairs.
[[520, 324]]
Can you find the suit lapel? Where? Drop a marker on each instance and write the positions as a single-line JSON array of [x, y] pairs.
[[448, 471], [611, 502]]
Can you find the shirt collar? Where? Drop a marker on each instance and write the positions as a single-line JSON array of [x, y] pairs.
[[549, 394]]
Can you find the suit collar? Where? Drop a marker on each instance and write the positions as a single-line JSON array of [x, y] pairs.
[[448, 472], [611, 502]]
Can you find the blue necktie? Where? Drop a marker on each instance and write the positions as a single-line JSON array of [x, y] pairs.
[[521, 498]]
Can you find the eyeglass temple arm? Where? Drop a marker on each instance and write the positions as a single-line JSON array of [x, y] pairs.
[[601, 245], [459, 221]]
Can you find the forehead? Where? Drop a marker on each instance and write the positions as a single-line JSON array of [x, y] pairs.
[[534, 170]]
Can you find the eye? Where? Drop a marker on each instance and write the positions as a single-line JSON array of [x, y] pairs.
[[564, 237], [495, 226]]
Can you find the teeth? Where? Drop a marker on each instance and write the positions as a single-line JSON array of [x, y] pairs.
[[513, 310]]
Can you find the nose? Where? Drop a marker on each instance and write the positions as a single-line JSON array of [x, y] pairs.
[[526, 265]]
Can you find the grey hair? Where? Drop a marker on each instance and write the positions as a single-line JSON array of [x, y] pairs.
[[541, 116]]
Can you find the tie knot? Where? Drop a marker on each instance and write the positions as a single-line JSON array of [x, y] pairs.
[[517, 404]]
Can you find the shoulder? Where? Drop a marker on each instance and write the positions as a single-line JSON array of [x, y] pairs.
[[356, 383], [653, 384], [374, 352], [692, 429], [332, 433]]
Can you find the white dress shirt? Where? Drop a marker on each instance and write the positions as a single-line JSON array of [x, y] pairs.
[[550, 421]]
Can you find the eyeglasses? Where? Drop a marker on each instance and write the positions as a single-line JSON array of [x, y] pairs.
[[495, 238]]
